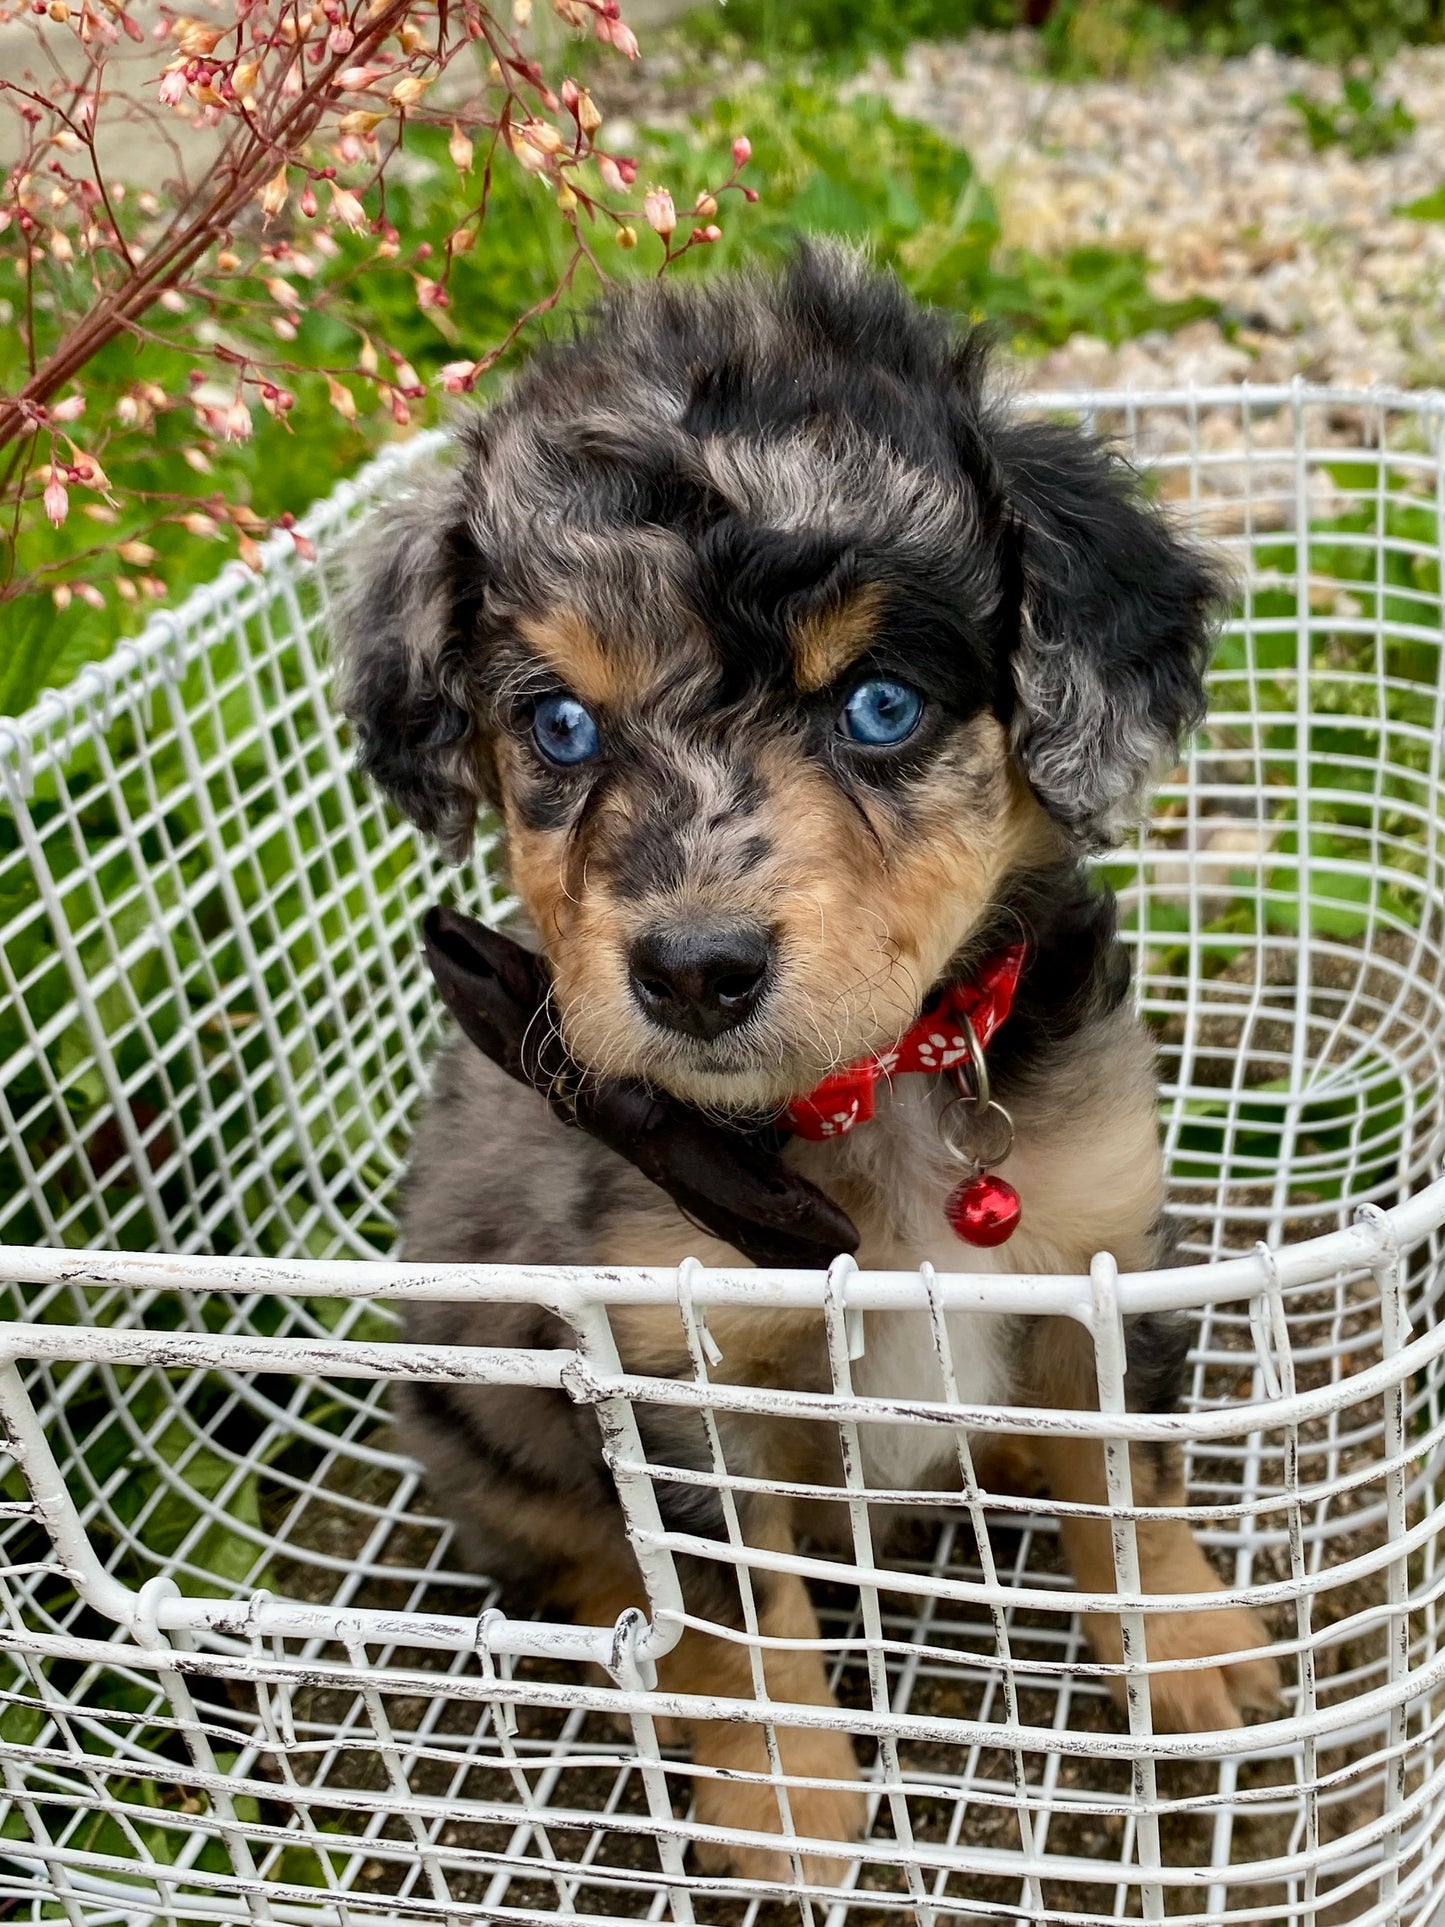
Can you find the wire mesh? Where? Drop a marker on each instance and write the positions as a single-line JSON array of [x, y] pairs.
[[245, 1674]]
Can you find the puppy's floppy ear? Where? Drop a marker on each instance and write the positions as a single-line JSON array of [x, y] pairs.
[[1116, 627], [404, 646]]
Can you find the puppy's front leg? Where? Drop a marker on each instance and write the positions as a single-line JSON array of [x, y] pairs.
[[731, 1752], [1171, 1562]]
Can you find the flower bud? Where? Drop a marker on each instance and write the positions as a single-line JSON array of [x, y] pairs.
[[589, 114], [60, 596], [430, 294], [282, 292], [244, 76], [705, 206], [357, 122], [566, 198], [366, 360], [340, 39], [60, 247], [661, 214], [308, 200], [57, 502], [457, 376], [627, 237], [611, 174], [197, 523], [127, 411], [521, 13], [742, 151], [345, 207], [460, 149], [89, 593], [409, 90], [273, 195], [341, 398], [58, 12], [138, 553], [69, 410], [238, 421], [195, 39]]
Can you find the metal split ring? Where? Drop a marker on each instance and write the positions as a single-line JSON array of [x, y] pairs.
[[977, 1161], [976, 1092]]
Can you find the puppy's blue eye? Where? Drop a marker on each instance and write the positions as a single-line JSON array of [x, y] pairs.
[[563, 730], [881, 712]]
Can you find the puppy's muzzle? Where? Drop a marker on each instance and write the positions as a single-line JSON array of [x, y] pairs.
[[701, 979]]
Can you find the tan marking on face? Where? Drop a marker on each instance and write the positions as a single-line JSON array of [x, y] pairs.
[[536, 859], [569, 644], [868, 909], [825, 644]]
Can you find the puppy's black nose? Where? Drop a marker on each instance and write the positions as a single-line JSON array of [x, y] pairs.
[[700, 979]]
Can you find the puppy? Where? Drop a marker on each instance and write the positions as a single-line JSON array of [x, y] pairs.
[[803, 678]]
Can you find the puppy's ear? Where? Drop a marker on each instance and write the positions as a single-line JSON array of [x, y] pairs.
[[1116, 627], [404, 647]]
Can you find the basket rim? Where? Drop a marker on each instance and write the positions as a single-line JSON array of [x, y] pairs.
[[1377, 1241]]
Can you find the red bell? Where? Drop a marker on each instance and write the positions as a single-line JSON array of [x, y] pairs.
[[984, 1210]]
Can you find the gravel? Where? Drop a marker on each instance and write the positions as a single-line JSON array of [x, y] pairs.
[[1206, 167]]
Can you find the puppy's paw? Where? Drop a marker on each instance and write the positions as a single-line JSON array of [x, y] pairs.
[[1198, 1699], [836, 1812]]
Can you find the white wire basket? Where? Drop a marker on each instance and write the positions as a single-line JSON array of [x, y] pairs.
[[245, 1675]]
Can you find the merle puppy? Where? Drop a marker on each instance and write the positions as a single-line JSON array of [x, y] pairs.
[[803, 676]]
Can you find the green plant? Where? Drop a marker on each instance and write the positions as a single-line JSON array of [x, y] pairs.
[[839, 34], [1359, 122], [856, 170]]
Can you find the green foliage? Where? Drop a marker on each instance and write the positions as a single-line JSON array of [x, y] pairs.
[[1429, 207], [856, 170], [838, 33], [1357, 121], [1077, 37], [1331, 31]]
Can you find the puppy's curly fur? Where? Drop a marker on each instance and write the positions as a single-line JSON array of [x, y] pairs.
[[708, 522]]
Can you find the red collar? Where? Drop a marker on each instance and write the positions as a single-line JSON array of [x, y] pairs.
[[935, 1043]]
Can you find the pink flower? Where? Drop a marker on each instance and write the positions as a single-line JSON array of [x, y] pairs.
[[57, 502], [69, 410], [661, 214], [173, 87], [238, 421]]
